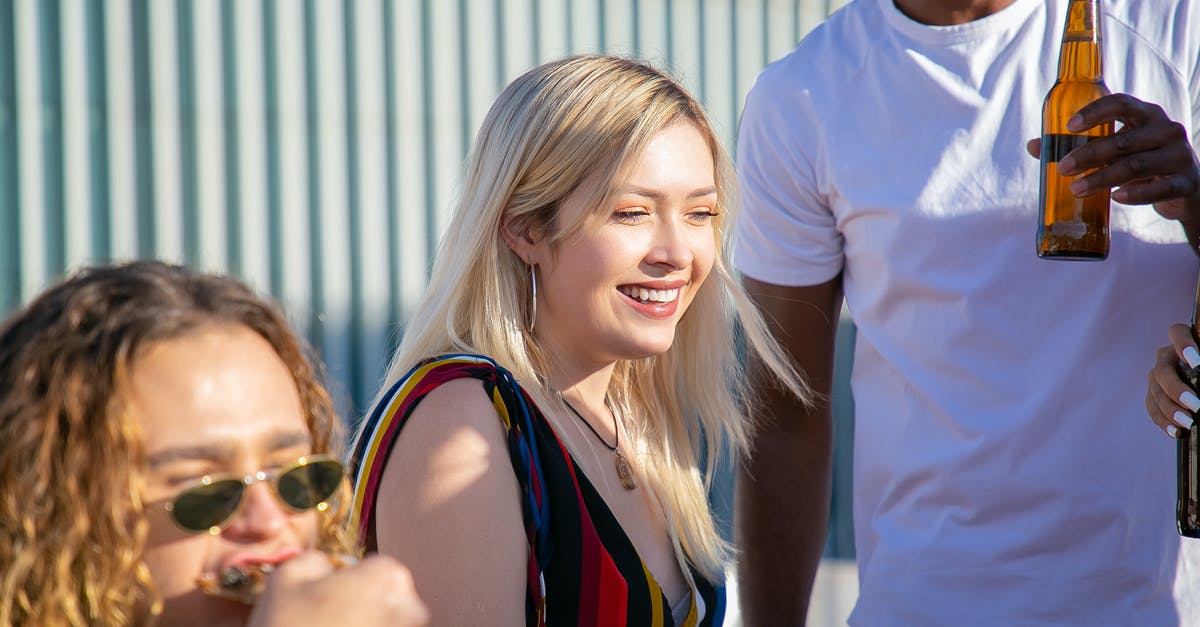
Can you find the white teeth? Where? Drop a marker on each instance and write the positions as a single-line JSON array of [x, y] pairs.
[[655, 296]]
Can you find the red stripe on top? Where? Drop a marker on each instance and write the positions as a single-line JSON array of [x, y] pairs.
[[614, 594], [424, 386]]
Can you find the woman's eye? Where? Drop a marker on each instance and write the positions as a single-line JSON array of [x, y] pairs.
[[628, 216], [278, 461], [704, 216], [183, 480]]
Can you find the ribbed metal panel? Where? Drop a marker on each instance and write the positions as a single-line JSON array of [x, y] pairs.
[[310, 147]]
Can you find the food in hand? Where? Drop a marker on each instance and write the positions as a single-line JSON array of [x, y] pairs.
[[244, 583]]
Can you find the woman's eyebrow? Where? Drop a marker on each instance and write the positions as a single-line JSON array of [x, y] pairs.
[[288, 439], [657, 195], [218, 452], [204, 452]]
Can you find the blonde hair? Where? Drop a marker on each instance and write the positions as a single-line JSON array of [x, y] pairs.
[[72, 524], [547, 132]]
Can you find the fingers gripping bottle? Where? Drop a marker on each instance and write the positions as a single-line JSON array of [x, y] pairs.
[[1187, 451], [1070, 227]]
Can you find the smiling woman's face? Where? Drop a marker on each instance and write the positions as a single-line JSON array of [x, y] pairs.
[[218, 401], [617, 291]]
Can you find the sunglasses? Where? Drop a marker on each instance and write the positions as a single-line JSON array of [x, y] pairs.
[[212, 501]]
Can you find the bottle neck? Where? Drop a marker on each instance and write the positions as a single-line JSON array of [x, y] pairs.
[[1079, 58]]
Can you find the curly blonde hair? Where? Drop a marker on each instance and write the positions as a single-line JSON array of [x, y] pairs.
[[72, 524]]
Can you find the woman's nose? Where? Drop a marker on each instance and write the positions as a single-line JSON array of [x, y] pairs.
[[260, 516], [672, 245]]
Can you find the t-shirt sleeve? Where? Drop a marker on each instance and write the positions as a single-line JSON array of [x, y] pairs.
[[785, 232], [1186, 38], [1194, 82]]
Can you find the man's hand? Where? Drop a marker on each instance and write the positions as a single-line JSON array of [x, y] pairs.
[[1150, 160]]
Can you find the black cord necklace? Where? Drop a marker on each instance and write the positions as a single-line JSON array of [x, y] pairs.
[[624, 470]]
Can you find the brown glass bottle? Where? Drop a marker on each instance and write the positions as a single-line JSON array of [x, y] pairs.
[[1187, 451], [1070, 227]]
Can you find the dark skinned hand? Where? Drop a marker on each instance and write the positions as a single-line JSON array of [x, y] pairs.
[[1150, 160]]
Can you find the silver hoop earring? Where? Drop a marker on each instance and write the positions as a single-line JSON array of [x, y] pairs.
[[533, 300]]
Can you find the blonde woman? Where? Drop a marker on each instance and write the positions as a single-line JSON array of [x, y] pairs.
[[164, 444], [535, 454]]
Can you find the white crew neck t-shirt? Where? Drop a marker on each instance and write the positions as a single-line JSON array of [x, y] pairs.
[[1005, 470]]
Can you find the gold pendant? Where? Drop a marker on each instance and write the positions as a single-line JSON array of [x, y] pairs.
[[625, 472]]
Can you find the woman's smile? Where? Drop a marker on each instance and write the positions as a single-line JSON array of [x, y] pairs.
[[658, 299]]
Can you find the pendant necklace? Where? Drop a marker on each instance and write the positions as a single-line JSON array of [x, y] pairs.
[[624, 470]]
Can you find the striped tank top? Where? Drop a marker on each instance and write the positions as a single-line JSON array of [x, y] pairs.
[[583, 570]]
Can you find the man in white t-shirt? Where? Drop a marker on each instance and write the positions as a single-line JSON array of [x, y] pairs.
[[1005, 472]]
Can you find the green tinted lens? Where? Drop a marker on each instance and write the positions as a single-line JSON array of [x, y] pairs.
[[304, 487], [206, 506]]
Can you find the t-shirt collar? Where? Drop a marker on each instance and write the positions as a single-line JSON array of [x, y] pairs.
[[998, 22]]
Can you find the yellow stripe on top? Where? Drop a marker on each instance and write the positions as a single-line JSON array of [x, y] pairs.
[[693, 617], [656, 610], [502, 409], [385, 422]]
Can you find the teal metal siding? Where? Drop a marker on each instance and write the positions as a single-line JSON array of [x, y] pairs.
[[310, 147]]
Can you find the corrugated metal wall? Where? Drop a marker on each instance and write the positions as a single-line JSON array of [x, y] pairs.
[[308, 146], [311, 146]]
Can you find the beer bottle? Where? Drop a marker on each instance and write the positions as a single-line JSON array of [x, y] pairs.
[[1187, 451], [1070, 227]]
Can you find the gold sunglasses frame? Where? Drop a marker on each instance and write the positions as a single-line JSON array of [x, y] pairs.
[[271, 477]]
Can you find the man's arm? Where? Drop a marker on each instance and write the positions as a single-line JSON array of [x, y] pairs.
[[783, 489]]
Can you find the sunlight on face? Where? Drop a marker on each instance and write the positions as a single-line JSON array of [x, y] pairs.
[[618, 290], [214, 402]]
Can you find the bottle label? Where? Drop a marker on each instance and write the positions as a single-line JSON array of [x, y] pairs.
[[1071, 230], [1193, 495], [1189, 461], [1055, 146]]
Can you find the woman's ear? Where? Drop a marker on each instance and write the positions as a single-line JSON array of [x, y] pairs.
[[522, 240]]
